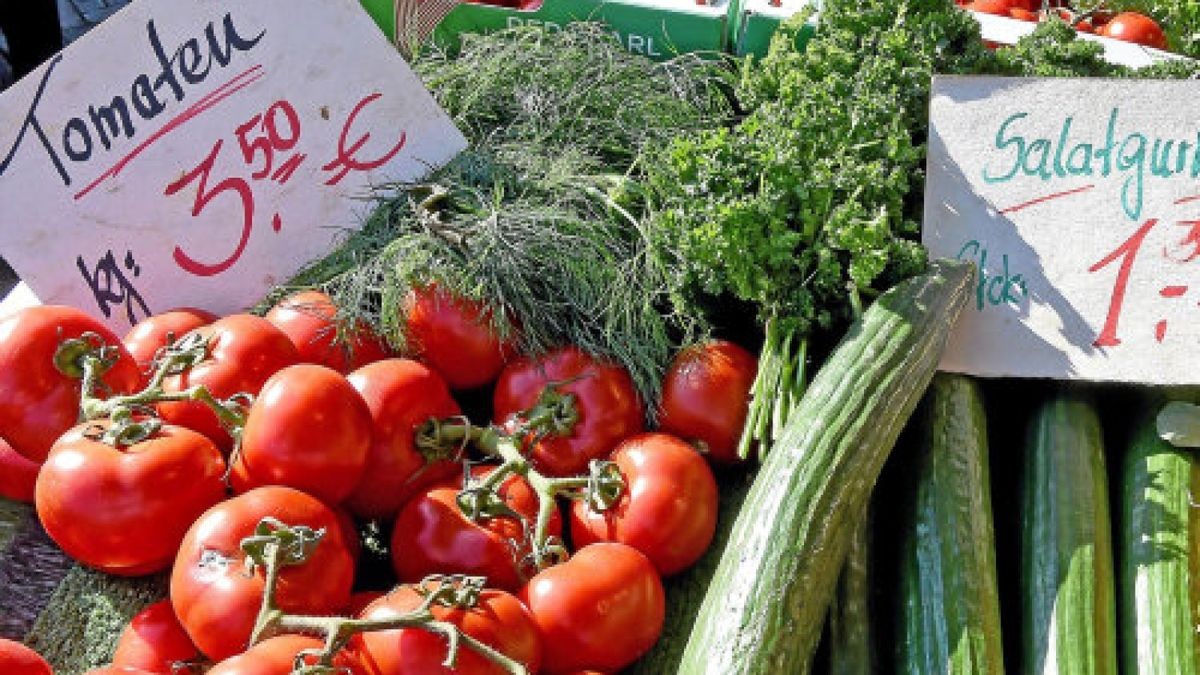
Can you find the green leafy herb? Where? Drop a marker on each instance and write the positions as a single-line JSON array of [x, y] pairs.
[[813, 201], [1054, 50], [541, 219]]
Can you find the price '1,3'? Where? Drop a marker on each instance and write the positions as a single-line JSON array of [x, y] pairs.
[[1183, 251]]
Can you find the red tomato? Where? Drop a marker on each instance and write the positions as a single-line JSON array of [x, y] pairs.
[[125, 510], [668, 510], [152, 333], [18, 474], [1135, 27], [308, 317], [17, 659], [39, 402], [217, 601], [602, 609], [433, 536], [401, 395], [244, 351], [608, 406], [276, 656], [119, 670], [308, 429], [706, 396], [499, 620], [454, 336], [156, 643], [1022, 14]]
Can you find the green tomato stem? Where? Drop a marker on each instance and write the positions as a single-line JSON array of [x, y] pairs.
[[601, 488], [276, 545], [89, 359]]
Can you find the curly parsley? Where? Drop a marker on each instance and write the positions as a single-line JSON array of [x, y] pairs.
[[813, 200]]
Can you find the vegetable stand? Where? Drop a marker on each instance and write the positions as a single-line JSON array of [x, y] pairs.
[[526, 398]]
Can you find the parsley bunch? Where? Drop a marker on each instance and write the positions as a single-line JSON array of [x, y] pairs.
[[812, 201]]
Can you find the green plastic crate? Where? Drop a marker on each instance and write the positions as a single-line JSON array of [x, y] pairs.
[[659, 29]]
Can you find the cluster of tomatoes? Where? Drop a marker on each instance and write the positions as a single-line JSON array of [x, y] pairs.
[[329, 438], [1128, 26]]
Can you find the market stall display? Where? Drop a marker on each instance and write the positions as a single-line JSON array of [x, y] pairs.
[[641, 380]]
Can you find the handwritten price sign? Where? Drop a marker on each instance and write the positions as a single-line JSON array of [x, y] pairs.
[[1079, 199], [197, 153]]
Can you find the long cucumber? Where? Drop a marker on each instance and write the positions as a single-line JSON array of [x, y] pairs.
[[1194, 561], [950, 601], [766, 605], [1158, 635], [1068, 605], [851, 634]]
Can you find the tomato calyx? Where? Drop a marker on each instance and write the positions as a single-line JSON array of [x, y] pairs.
[[88, 358], [274, 541], [554, 413], [276, 545], [79, 357]]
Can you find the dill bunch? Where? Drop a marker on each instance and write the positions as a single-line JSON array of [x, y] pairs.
[[573, 89], [541, 219]]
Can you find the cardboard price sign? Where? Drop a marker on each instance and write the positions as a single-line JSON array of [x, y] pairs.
[[198, 153], [1079, 199]]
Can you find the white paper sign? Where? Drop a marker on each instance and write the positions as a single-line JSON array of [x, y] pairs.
[[196, 153], [1080, 201]]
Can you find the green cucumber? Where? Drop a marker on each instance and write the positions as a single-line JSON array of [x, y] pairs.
[[1194, 561], [1157, 630], [1069, 619], [851, 640], [766, 605], [949, 596]]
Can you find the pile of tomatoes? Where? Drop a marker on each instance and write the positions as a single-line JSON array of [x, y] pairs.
[[327, 439], [1128, 26]]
